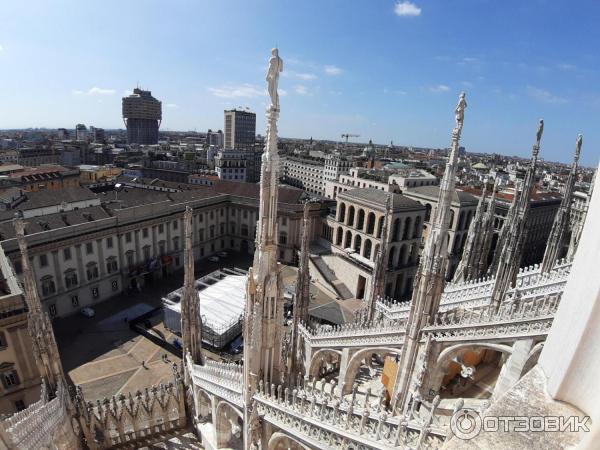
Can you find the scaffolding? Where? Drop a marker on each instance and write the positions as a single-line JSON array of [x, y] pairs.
[[222, 296]]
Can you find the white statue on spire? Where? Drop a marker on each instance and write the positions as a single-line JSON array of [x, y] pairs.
[[275, 67], [459, 113]]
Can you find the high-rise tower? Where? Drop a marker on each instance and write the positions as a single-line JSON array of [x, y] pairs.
[[142, 114]]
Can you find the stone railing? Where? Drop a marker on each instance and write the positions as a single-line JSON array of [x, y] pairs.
[[125, 419], [225, 380], [518, 320], [39, 425], [471, 294], [326, 421], [388, 333]]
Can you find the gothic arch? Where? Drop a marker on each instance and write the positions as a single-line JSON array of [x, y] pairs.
[[281, 441], [229, 425], [461, 221], [448, 352], [357, 359], [203, 403], [321, 357]]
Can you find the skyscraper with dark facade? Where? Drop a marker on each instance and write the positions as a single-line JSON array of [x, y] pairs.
[[142, 114], [240, 129]]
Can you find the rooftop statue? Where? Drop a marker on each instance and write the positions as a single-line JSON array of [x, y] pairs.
[[275, 68]]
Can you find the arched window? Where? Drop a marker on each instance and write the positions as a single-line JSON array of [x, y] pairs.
[[367, 249], [348, 240], [407, 224], [342, 213], [396, 230], [402, 257], [361, 219], [417, 231], [371, 223], [357, 243], [380, 226], [456, 246], [391, 257], [340, 236], [350, 216], [469, 217], [451, 219], [427, 212], [461, 221]]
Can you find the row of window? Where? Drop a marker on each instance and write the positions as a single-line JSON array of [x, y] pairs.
[[95, 291]]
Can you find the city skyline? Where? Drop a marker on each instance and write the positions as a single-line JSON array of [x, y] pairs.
[[387, 72]]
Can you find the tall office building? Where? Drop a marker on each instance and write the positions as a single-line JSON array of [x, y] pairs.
[[81, 132], [142, 114], [240, 129]]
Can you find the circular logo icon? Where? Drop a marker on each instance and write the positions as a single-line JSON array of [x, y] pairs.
[[466, 424]]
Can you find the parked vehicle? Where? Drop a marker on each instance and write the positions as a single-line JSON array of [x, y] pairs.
[[88, 312], [222, 254], [213, 258]]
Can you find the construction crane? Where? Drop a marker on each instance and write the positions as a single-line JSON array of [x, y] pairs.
[[348, 135]]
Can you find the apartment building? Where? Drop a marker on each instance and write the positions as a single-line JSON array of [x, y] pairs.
[[312, 173]]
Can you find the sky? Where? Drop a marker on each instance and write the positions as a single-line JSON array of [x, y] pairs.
[[386, 70]]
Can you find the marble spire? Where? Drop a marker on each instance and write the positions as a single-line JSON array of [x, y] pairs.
[[378, 278], [264, 358], [561, 220], [468, 266], [40, 329], [301, 299], [578, 227], [510, 253], [191, 320], [429, 281], [487, 233]]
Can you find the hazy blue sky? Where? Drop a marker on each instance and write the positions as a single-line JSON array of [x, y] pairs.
[[378, 68]]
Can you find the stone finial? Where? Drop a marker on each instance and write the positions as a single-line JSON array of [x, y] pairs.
[[578, 147]]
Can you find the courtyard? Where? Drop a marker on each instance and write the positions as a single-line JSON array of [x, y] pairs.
[[105, 357]]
